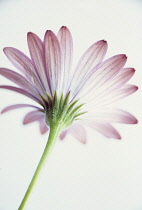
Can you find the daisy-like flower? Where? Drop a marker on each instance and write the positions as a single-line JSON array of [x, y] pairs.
[[68, 98]]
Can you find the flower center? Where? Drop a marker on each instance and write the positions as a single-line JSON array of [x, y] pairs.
[[61, 112]]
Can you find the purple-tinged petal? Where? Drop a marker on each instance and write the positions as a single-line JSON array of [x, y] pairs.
[[122, 93], [90, 59], [127, 90], [106, 129], [115, 96], [78, 132], [21, 91], [112, 85], [24, 65], [63, 134], [66, 42], [36, 116], [37, 55], [115, 116], [53, 60], [122, 116], [120, 79], [16, 106], [33, 116], [103, 73], [19, 80], [108, 69], [43, 127], [19, 60]]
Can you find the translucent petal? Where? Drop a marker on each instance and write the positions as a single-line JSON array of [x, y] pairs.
[[106, 129], [65, 39], [53, 60], [33, 116], [36, 49], [19, 80], [21, 91], [16, 106], [24, 65]]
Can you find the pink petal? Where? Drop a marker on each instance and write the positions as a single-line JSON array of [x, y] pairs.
[[90, 59], [19, 60], [120, 79], [115, 116], [122, 93], [21, 91], [53, 60], [33, 116], [63, 134], [106, 129], [112, 85], [16, 106], [108, 69], [115, 96], [19, 80], [37, 55], [65, 39], [78, 132], [24, 64], [43, 127], [104, 72], [123, 117]]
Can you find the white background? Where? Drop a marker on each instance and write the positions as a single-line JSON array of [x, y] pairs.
[[104, 174]]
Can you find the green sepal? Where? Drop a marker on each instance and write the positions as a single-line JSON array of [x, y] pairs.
[[61, 110]]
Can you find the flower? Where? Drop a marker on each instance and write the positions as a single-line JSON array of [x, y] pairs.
[[83, 96]]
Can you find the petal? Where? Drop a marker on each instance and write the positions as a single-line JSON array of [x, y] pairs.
[[106, 129], [37, 55], [19, 60], [24, 64], [112, 85], [121, 93], [90, 59], [78, 132], [16, 106], [115, 116], [114, 96], [33, 116], [19, 80], [122, 116], [53, 60], [21, 91], [104, 72], [65, 39], [43, 127], [63, 134]]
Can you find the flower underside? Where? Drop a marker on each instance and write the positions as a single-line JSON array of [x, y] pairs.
[[60, 111], [48, 78]]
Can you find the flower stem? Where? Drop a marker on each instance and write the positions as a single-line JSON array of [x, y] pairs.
[[53, 135]]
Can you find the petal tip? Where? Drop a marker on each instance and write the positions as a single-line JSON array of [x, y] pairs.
[[2, 112], [4, 49], [136, 88], [135, 121], [124, 56], [119, 137], [104, 41], [64, 27], [30, 35]]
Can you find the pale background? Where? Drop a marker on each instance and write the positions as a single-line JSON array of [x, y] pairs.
[[103, 174]]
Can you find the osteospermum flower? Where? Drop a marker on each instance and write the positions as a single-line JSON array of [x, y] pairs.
[[68, 98]]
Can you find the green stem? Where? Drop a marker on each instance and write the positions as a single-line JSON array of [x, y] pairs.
[[53, 135]]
